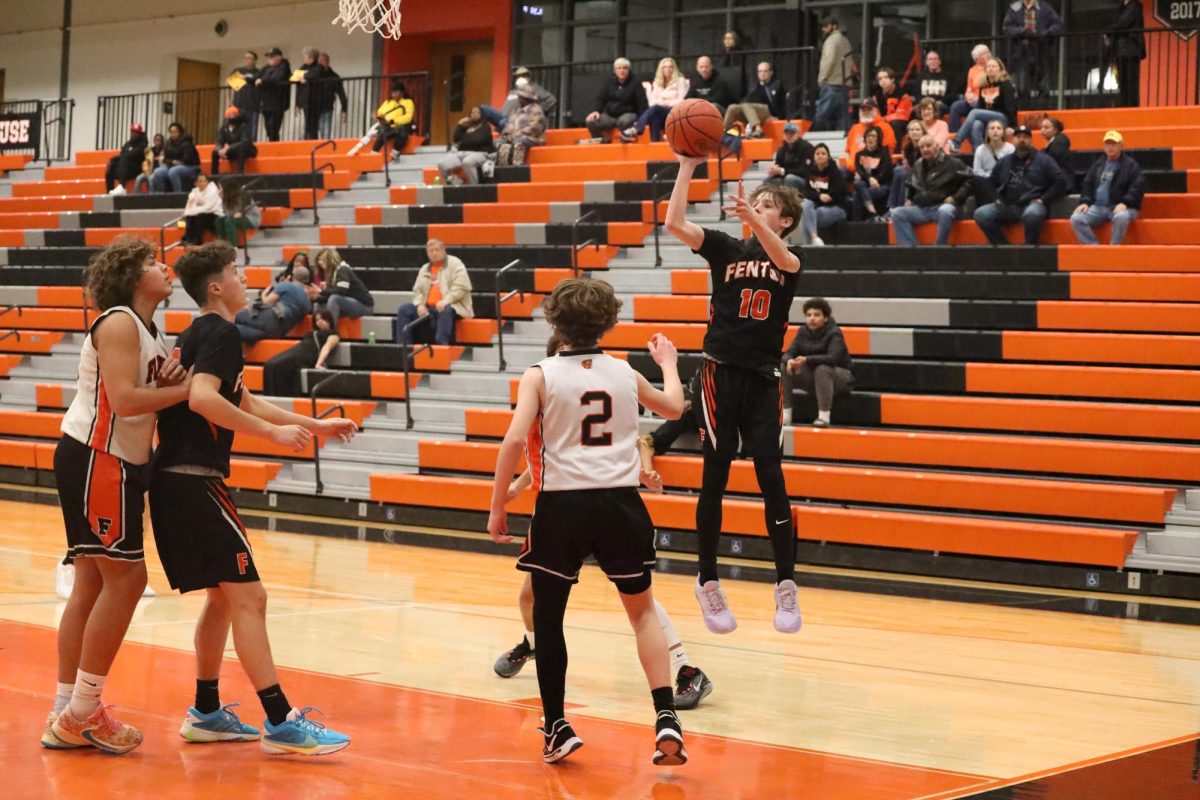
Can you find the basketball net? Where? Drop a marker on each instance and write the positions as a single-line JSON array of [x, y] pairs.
[[372, 16]]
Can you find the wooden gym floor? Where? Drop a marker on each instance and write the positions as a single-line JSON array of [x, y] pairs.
[[878, 697]]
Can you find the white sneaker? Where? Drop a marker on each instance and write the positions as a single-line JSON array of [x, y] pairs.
[[629, 135], [64, 579], [787, 610], [117, 190], [149, 591], [715, 608], [817, 241]]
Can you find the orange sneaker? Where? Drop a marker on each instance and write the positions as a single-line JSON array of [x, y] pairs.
[[52, 742], [99, 730]]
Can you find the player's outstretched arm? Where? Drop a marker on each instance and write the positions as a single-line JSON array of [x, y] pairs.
[[668, 401], [206, 400], [677, 225], [529, 404], [333, 427], [117, 349]]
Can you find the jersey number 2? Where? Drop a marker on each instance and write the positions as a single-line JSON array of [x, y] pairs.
[[755, 304], [589, 436]]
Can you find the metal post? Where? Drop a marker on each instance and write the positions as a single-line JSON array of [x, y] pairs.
[[519, 265], [407, 353], [654, 198], [312, 160], [320, 486]]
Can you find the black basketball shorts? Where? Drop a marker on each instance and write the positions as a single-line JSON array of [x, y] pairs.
[[102, 500], [612, 525], [739, 404], [200, 537]]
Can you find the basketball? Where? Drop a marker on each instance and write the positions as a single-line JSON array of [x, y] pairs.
[[694, 128]]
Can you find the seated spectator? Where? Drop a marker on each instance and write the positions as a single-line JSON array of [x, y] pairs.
[[344, 295], [668, 88], [441, 292], [522, 78], [281, 373], [241, 212], [819, 358], [1112, 190], [824, 193], [1058, 147], [895, 105], [872, 177], [127, 163], [180, 162], [868, 117], [792, 159], [200, 213], [524, 129], [976, 75], [994, 148], [910, 151], [299, 259], [235, 143], [395, 117], [764, 102], [1026, 183], [934, 82], [152, 162], [938, 187], [618, 105], [472, 146], [277, 310], [935, 127], [997, 100], [711, 85]]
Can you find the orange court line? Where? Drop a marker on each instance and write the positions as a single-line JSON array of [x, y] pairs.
[[471, 747]]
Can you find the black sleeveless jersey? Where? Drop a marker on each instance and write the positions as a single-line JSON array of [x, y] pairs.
[[750, 305]]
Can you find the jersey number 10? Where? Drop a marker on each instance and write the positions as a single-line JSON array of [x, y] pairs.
[[755, 304]]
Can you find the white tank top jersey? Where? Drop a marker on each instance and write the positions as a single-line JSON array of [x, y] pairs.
[[90, 418], [586, 435]]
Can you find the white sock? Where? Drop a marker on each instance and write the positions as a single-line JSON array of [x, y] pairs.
[[674, 645], [529, 638], [823, 416], [85, 696], [62, 696]]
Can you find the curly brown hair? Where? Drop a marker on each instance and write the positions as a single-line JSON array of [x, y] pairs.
[[582, 310], [787, 200], [113, 274]]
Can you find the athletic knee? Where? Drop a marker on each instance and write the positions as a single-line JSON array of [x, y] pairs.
[[246, 598]]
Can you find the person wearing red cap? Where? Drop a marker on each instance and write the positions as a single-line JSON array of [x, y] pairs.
[[126, 164], [235, 142]]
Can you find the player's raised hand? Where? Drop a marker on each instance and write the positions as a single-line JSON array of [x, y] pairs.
[[338, 428], [662, 350], [498, 526], [291, 436], [695, 161]]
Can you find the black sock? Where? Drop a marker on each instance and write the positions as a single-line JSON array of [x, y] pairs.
[[664, 698], [208, 699], [708, 514], [778, 511], [550, 596], [275, 704]]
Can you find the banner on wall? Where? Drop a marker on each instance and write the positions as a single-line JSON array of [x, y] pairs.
[[21, 132], [1181, 16]]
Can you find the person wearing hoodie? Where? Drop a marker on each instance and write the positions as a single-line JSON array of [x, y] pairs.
[[234, 143], [203, 208], [792, 159], [180, 162], [766, 101], [126, 164], [1026, 183], [824, 193], [872, 176], [345, 294], [819, 359]]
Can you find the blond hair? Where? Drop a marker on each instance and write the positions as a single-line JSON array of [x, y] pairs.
[[658, 72]]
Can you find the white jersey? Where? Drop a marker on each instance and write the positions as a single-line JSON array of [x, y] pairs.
[[586, 435], [90, 418]]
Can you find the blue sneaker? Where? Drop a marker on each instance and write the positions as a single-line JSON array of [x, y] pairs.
[[221, 725], [299, 734]]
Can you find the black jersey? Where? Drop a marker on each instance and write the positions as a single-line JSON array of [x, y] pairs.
[[211, 346], [750, 305]]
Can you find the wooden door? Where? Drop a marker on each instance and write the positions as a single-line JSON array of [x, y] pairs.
[[462, 77], [197, 100]]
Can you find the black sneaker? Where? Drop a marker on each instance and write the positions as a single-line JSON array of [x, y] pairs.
[[511, 662], [561, 741], [691, 686], [669, 750]]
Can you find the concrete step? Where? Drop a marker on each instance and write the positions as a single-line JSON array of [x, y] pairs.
[[1174, 540]]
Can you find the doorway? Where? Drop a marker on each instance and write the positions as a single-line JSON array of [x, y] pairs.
[[197, 99], [462, 77]]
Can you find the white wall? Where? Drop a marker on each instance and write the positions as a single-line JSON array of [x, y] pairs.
[[140, 54]]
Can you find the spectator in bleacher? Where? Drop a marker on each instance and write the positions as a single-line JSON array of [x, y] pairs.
[[895, 104], [274, 90], [792, 159], [934, 82], [976, 75], [200, 213], [524, 129], [1113, 189], [241, 213], [277, 310], [766, 101], [522, 78], [710, 84], [1058, 147], [833, 79], [299, 259], [180, 162], [127, 163], [395, 117], [1026, 183], [933, 125], [472, 147], [281, 373], [910, 152], [1033, 24], [994, 148], [1126, 45], [938, 187], [997, 100], [151, 162], [329, 89], [344, 295], [247, 98], [442, 292], [308, 96], [872, 177], [733, 62], [618, 105], [868, 117], [234, 143], [824, 193], [819, 358], [668, 89]]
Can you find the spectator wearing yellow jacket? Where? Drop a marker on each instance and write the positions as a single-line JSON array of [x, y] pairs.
[[395, 119]]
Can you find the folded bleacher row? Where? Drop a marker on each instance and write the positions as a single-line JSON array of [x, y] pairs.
[[1020, 414]]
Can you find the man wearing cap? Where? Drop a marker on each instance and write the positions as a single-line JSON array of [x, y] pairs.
[[126, 164], [709, 85], [937, 189], [1112, 190], [868, 116], [1026, 181], [275, 92], [792, 159], [522, 79], [246, 98], [234, 143], [523, 129]]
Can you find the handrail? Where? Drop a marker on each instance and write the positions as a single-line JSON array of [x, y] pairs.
[[575, 245], [162, 236], [243, 237], [520, 266], [14, 332], [721, 156], [5, 309], [312, 164], [312, 393], [654, 198], [407, 353]]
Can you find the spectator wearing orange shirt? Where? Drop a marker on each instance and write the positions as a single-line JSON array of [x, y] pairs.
[[976, 75], [868, 117], [895, 104], [442, 292]]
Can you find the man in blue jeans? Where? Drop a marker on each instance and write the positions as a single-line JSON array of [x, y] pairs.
[[442, 292], [937, 188], [1112, 190], [833, 75], [1026, 182]]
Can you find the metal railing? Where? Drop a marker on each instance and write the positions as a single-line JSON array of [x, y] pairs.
[[200, 110], [56, 119], [162, 237], [655, 197], [339, 409], [407, 354], [314, 171], [519, 266], [576, 245]]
